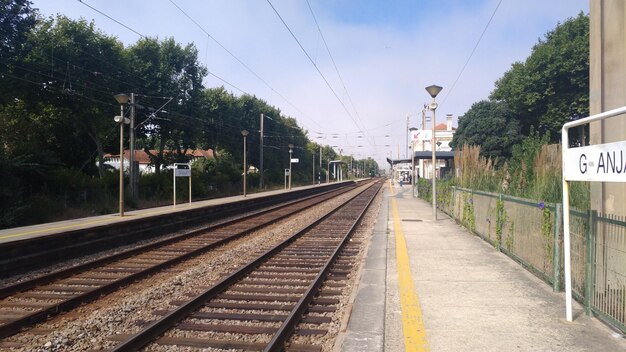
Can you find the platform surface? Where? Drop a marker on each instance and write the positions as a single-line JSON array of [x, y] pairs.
[[52, 228], [433, 286]]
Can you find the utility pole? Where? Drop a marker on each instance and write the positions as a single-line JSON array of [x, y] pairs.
[[313, 166], [132, 175], [406, 132], [261, 156], [319, 173], [423, 140]]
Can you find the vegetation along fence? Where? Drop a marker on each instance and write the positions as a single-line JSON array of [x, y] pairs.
[[531, 233]]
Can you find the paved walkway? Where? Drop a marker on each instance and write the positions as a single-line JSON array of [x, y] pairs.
[[461, 294]]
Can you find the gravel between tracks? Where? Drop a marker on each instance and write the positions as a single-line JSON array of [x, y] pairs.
[[124, 312]]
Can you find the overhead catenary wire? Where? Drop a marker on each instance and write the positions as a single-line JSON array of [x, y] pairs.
[[91, 85], [111, 18], [449, 91], [333, 61], [247, 67], [212, 74], [314, 64]]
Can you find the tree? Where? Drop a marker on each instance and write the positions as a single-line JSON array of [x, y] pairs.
[[79, 64], [17, 18], [168, 69], [552, 86], [491, 125]]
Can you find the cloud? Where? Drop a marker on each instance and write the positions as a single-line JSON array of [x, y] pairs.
[[387, 52]]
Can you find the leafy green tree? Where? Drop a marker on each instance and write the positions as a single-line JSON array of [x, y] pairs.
[[552, 86], [168, 69], [491, 125], [17, 18]]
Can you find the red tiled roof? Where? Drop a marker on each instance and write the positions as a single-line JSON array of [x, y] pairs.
[[143, 158], [443, 127]]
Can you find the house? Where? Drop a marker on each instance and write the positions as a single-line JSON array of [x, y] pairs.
[[444, 132], [143, 159]]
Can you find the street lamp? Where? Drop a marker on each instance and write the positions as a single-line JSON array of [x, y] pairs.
[[121, 99], [290, 151], [244, 133], [433, 90]]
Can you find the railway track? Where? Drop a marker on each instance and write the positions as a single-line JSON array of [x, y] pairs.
[[32, 301], [275, 302]]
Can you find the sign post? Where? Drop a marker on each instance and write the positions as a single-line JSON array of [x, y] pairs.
[[598, 163], [182, 170]]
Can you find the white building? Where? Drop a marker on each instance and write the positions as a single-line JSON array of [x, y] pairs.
[[421, 142], [144, 162]]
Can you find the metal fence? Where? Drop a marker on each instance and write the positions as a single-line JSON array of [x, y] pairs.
[[531, 233]]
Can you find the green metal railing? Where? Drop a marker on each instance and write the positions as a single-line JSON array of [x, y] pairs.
[[531, 233]]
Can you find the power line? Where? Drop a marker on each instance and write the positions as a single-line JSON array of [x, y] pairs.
[[472, 53], [241, 62], [314, 64], [111, 18], [333, 61]]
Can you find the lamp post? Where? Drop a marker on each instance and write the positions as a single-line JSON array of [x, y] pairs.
[[261, 179], [244, 133], [290, 151], [412, 161], [433, 90], [121, 99]]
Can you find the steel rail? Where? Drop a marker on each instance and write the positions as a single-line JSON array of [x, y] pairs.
[[66, 272], [17, 325], [277, 343], [160, 326]]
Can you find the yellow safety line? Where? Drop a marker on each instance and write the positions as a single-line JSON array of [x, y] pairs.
[[412, 321]]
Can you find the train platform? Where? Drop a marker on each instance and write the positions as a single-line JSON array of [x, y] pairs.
[[58, 227], [433, 286]]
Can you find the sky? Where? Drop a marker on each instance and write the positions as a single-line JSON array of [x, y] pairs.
[[382, 54]]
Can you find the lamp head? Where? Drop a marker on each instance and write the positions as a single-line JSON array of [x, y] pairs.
[[121, 98], [119, 119], [244, 133], [433, 90]]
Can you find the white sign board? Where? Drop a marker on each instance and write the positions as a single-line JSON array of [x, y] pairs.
[[422, 135], [600, 162], [182, 172], [286, 172], [295, 160]]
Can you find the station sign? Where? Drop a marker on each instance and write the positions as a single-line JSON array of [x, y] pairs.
[[295, 160], [600, 162], [182, 170], [421, 135]]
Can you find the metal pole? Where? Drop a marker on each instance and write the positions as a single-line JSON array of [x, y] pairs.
[[290, 151], [434, 160], [566, 234], [313, 167], [319, 173], [412, 166], [261, 155], [121, 206], [189, 184], [423, 141], [132, 176], [407, 137], [244, 166], [174, 174]]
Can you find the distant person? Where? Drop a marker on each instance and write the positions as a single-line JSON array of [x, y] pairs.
[[401, 182]]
